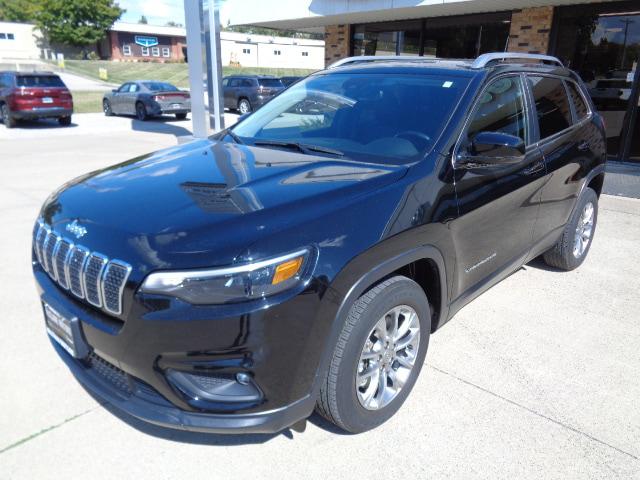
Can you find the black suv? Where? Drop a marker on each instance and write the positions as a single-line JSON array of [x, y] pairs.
[[247, 93], [302, 258]]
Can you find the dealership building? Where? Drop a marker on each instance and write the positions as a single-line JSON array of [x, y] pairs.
[[600, 40], [142, 42]]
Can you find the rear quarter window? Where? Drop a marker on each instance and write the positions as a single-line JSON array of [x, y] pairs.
[[39, 81], [552, 105], [270, 82], [579, 104]]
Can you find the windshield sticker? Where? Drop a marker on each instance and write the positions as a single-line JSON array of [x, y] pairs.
[[447, 84]]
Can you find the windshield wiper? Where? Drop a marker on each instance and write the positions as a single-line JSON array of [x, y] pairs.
[[301, 147]]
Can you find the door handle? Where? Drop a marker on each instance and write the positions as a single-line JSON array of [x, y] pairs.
[[583, 146]]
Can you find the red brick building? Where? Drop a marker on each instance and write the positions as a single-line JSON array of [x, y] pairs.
[[140, 42]]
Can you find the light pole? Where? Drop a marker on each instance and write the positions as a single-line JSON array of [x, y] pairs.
[[626, 22]]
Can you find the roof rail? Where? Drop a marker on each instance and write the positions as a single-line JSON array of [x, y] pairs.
[[486, 58], [378, 58]]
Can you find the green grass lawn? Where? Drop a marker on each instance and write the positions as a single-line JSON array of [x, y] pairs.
[[87, 102], [176, 73]]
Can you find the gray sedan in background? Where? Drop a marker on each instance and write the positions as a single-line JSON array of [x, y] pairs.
[[147, 98]]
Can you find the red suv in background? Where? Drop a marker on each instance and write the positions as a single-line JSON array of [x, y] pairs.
[[26, 96]]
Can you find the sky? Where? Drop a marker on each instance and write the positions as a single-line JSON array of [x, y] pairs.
[[158, 12]]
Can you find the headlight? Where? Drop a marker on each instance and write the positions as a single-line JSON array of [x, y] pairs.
[[233, 284]]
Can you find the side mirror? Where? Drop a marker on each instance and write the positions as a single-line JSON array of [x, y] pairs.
[[493, 148], [114, 90]]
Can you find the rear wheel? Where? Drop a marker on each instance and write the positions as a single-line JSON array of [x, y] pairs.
[[181, 116], [65, 121], [244, 106], [106, 107], [573, 246], [6, 116], [141, 111], [378, 357]]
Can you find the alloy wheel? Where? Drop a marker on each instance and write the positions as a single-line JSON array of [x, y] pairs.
[[244, 107], [388, 357], [584, 230]]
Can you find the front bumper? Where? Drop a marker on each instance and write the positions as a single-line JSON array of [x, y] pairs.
[[274, 346], [42, 112], [139, 400]]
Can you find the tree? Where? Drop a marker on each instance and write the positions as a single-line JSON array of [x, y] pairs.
[[143, 20], [171, 23], [76, 22], [18, 10]]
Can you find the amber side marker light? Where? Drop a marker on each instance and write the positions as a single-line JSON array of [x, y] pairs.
[[286, 270]]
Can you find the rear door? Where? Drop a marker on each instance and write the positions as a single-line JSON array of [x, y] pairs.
[[498, 205], [567, 139]]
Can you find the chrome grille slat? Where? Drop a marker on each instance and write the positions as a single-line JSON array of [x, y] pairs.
[[113, 281], [88, 275], [49, 247], [61, 257], [75, 268], [93, 270]]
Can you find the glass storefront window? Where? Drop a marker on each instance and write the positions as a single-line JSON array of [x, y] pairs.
[[602, 43], [447, 37]]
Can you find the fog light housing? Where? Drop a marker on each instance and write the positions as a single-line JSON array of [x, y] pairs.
[[200, 388]]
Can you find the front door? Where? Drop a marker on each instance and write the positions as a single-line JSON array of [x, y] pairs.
[[498, 205]]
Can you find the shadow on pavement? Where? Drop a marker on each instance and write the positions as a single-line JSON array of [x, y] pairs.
[[42, 124], [539, 264], [165, 124]]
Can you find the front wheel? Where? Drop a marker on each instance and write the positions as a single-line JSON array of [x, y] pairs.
[[141, 111], [379, 354], [5, 115], [573, 246], [106, 108]]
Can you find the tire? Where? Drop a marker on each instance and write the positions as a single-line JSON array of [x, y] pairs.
[[65, 121], [141, 112], [340, 399], [244, 106], [566, 254], [6, 116], [106, 108], [181, 116]]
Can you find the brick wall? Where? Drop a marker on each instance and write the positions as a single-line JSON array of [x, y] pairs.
[[337, 43], [530, 29]]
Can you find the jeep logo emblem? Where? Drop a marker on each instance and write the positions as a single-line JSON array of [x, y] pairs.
[[76, 229]]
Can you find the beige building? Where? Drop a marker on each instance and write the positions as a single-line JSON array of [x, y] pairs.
[[19, 41]]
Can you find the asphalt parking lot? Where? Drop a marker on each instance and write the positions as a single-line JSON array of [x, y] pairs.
[[538, 378]]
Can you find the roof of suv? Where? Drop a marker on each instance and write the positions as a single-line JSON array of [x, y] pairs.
[[27, 74], [462, 67]]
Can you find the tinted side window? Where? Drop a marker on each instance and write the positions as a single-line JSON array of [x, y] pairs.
[[578, 101], [501, 109], [247, 83], [234, 82], [225, 82], [133, 88], [124, 88], [552, 105]]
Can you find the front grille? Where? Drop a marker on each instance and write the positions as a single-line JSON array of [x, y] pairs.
[[110, 373], [88, 275]]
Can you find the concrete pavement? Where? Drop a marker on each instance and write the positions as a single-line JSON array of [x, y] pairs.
[[537, 378]]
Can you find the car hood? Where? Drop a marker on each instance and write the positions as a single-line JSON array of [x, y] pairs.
[[205, 203]]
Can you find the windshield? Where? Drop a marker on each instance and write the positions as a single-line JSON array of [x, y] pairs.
[[269, 82], [39, 81], [366, 117], [160, 87]]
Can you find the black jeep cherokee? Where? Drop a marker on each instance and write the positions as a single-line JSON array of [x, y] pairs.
[[302, 258]]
